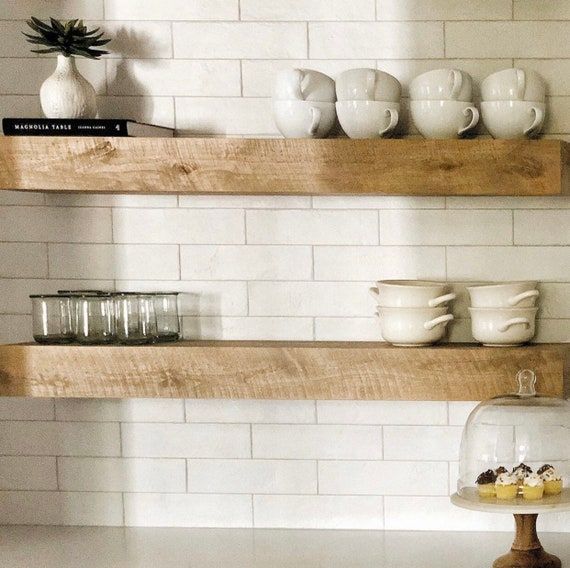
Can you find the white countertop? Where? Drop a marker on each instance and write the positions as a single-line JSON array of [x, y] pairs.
[[70, 547]]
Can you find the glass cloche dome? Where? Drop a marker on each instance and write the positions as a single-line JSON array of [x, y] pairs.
[[516, 447]]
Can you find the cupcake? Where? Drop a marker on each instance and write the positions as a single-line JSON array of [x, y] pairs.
[[486, 483], [533, 487], [501, 469], [552, 481], [520, 472], [506, 486]]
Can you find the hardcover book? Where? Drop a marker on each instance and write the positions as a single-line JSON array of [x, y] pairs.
[[82, 127]]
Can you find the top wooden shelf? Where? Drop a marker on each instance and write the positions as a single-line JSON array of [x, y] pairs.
[[285, 167]]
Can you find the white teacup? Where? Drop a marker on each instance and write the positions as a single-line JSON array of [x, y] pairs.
[[304, 119], [444, 119], [368, 119], [504, 295], [513, 119], [503, 326], [303, 85], [442, 84], [367, 85], [514, 85]]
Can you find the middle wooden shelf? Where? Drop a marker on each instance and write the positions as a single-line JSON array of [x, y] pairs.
[[277, 370], [338, 166]]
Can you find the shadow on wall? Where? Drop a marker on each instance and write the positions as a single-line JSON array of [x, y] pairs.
[[135, 102]]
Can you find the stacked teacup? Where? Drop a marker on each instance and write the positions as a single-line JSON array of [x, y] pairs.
[[503, 314], [368, 103], [303, 103], [513, 103], [412, 312], [441, 103]]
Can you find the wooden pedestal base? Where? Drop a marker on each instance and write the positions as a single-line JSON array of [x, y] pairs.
[[527, 552]]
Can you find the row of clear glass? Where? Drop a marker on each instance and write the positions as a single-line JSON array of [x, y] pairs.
[[93, 317]]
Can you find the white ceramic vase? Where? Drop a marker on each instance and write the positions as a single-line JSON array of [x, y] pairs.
[[66, 93]]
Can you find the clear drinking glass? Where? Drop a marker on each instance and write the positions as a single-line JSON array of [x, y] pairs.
[[167, 320], [74, 294], [95, 318], [52, 319], [135, 318]]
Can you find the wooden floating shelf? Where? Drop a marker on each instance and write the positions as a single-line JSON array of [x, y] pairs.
[[284, 167], [276, 370]]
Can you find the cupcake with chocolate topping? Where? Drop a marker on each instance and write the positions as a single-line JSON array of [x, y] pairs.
[[486, 483], [520, 472], [533, 487], [552, 481], [506, 486], [501, 469]]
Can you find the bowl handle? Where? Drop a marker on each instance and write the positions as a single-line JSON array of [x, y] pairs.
[[374, 292], [514, 321], [441, 319], [514, 300], [441, 299]]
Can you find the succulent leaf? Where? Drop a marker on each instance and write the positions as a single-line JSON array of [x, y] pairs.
[[66, 37]]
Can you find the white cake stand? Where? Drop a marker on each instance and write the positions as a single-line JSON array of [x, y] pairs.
[[526, 551]]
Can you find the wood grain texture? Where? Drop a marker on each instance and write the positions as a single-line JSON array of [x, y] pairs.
[[277, 166], [276, 370]]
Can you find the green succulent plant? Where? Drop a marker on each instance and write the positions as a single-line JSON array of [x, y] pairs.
[[68, 38]]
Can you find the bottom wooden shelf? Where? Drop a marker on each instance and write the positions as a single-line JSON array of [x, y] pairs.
[[277, 370]]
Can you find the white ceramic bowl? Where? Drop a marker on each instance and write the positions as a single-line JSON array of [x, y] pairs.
[[513, 119], [504, 295], [442, 84], [411, 294], [503, 326], [304, 119], [408, 327], [444, 119], [368, 119]]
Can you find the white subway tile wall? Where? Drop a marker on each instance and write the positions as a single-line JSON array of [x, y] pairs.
[[264, 268]]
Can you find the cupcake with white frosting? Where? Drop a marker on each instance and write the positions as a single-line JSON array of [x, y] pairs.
[[533, 487], [552, 481], [506, 486]]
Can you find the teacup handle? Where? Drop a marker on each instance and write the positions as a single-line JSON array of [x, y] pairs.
[[536, 125], [297, 77], [441, 300], [371, 84], [521, 84], [474, 119], [315, 121], [437, 321], [514, 321], [394, 117], [456, 78], [514, 300]]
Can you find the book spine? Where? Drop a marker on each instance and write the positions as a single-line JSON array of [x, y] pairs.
[[59, 127]]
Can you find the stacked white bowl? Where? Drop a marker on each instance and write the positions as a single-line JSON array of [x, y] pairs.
[[504, 313], [441, 103], [303, 103], [368, 103], [513, 103], [412, 312]]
